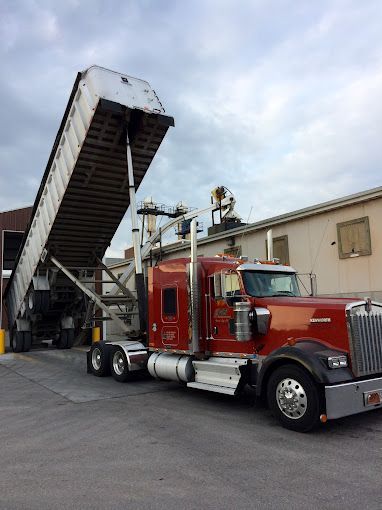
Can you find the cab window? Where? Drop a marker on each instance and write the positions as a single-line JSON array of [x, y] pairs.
[[169, 301]]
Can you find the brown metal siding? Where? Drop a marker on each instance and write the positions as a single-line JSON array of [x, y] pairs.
[[16, 220]]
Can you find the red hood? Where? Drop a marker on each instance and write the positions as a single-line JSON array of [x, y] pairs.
[[319, 318]]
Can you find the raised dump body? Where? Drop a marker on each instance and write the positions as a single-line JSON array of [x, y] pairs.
[[84, 192]]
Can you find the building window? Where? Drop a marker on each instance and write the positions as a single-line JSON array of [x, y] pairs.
[[233, 251], [280, 249], [354, 238]]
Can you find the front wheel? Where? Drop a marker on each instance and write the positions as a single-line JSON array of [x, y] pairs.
[[293, 398]]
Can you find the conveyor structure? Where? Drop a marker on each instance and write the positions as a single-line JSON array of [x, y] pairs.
[[111, 130]]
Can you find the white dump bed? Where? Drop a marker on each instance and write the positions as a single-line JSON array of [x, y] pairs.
[[84, 191]]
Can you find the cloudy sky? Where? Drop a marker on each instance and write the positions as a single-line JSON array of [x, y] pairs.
[[281, 101]]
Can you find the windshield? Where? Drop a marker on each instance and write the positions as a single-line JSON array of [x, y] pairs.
[[268, 284]]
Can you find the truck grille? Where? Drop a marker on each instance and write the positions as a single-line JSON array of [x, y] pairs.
[[365, 335]]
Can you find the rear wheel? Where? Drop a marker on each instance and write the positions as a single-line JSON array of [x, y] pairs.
[[99, 359], [293, 398], [119, 366]]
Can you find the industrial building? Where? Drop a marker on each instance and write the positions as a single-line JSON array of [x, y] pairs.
[[12, 226], [339, 241]]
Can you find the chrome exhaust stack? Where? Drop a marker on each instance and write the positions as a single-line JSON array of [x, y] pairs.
[[269, 245], [194, 290]]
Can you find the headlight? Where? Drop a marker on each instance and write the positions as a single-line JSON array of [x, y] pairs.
[[337, 361]]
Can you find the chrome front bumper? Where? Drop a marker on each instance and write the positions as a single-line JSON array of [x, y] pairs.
[[352, 398]]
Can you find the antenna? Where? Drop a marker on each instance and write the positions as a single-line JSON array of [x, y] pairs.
[[247, 225]]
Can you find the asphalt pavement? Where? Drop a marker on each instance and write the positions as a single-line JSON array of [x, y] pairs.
[[70, 440]]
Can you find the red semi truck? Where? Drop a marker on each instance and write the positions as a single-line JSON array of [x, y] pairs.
[[220, 323]]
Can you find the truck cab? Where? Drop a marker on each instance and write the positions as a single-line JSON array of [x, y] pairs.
[[312, 358]]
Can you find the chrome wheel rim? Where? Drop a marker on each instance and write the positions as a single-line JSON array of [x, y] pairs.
[[118, 363], [97, 358], [291, 398]]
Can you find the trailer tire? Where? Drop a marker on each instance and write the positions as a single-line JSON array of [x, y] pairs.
[[17, 341], [70, 337], [27, 341], [38, 301], [62, 342], [34, 301], [45, 301], [294, 398], [119, 366], [99, 356]]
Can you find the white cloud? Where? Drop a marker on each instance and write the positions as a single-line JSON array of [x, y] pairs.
[[280, 101]]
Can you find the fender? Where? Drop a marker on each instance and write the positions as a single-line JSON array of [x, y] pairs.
[[136, 353], [311, 355]]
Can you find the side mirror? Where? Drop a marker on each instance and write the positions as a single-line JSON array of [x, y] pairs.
[[219, 285]]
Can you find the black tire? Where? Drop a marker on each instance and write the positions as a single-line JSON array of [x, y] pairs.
[[99, 356], [45, 301], [38, 301], [294, 398], [34, 301], [27, 341], [119, 367], [62, 342], [17, 341], [71, 337]]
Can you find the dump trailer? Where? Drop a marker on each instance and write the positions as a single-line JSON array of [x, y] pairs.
[[111, 119]]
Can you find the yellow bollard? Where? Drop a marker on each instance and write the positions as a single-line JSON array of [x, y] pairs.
[[2, 341], [96, 334]]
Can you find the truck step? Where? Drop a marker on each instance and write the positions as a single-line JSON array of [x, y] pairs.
[[212, 387], [116, 299], [215, 373]]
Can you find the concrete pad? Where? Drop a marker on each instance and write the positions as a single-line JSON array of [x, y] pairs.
[[64, 373], [70, 440]]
